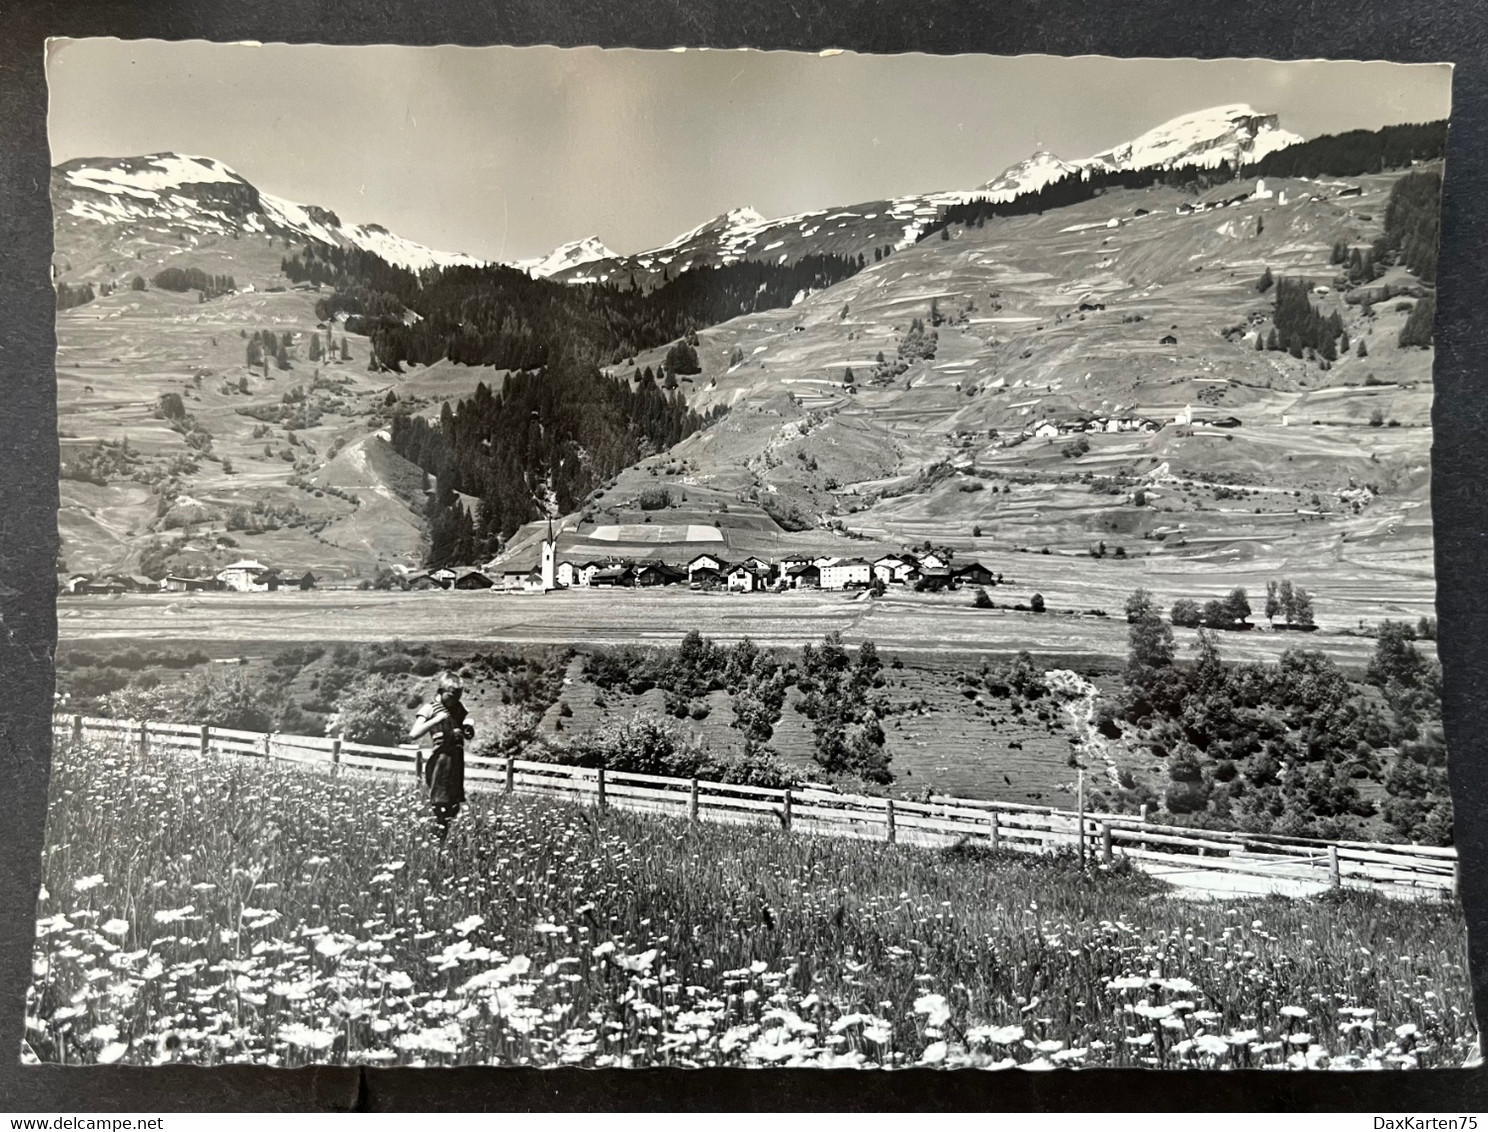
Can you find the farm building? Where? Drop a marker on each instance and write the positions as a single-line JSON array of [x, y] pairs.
[[100, 585], [472, 579], [1168, 340], [658, 574], [935, 578], [423, 582], [612, 576], [179, 584], [974, 574]]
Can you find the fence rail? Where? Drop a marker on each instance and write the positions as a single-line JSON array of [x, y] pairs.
[[943, 820]]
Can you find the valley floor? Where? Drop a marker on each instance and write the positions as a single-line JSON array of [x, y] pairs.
[[908, 623]]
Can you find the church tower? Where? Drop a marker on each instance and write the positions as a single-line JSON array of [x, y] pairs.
[[550, 560]]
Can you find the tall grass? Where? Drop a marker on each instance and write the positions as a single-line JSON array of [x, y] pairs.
[[222, 909]]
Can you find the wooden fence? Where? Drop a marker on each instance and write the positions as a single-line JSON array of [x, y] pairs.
[[940, 821]]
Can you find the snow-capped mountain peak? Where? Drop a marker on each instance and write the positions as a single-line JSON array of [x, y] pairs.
[[205, 195], [1235, 133], [1029, 175], [566, 256]]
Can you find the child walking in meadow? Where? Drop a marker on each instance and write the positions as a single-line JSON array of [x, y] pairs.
[[443, 772]]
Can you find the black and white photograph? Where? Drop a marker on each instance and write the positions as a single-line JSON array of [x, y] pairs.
[[612, 558]]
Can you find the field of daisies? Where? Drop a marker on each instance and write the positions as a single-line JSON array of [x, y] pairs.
[[215, 910]]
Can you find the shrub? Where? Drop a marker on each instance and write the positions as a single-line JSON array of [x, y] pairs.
[[1186, 612], [372, 712], [232, 700]]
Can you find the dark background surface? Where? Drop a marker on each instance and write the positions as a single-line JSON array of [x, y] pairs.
[[1404, 30]]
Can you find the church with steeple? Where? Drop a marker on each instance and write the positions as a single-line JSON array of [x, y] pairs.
[[549, 567]]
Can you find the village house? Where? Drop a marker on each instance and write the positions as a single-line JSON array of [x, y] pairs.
[[893, 569], [804, 575], [587, 571], [932, 561], [514, 577], [567, 573], [844, 572], [248, 576], [706, 562], [747, 578]]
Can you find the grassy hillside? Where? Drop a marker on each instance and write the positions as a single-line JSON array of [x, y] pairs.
[[1306, 483]]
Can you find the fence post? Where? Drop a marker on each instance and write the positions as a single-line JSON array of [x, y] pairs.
[[692, 802], [1144, 813], [1080, 809], [144, 738], [511, 773], [204, 742], [268, 738], [996, 831], [77, 729], [787, 811], [336, 755], [893, 833], [1105, 843], [1335, 877], [601, 802]]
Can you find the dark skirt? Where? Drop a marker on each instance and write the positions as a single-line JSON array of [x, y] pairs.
[[444, 776]]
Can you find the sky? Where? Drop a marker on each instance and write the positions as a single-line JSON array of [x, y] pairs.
[[504, 153]]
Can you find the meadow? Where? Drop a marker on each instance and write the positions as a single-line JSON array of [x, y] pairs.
[[217, 910], [908, 623]]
